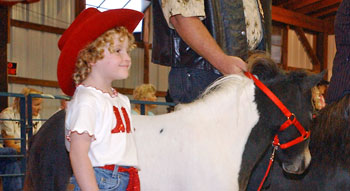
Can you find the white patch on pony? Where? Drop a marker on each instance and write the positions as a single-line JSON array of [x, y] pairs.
[[200, 145]]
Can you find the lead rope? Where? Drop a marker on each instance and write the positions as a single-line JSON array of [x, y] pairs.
[[269, 167]]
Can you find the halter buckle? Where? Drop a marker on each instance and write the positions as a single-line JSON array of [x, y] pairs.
[[291, 117]]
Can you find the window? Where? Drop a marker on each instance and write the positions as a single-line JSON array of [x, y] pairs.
[[103, 5]]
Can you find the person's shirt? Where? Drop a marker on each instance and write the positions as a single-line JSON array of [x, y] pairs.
[[13, 128], [107, 120], [195, 8]]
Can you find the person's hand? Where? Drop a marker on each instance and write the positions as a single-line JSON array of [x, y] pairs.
[[232, 65]]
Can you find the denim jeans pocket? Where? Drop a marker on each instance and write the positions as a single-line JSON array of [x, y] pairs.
[[106, 181]]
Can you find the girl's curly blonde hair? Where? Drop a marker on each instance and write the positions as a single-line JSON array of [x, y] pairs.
[[94, 51]]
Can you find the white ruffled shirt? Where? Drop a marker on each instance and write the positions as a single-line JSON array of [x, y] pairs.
[[96, 113]]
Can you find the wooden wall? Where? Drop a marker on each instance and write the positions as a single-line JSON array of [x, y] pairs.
[[294, 52], [297, 57], [36, 51]]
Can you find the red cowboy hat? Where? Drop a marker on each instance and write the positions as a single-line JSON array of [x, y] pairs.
[[90, 24]]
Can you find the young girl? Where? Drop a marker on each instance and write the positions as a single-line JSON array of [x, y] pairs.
[[98, 124]]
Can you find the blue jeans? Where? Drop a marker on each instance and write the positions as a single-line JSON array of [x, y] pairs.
[[10, 166], [186, 84], [107, 180]]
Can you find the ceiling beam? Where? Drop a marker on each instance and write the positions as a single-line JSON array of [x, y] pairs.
[[297, 19], [326, 12], [296, 4], [318, 6], [279, 2], [287, 3]]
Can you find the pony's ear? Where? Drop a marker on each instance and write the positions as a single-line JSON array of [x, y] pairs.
[[311, 81], [262, 66]]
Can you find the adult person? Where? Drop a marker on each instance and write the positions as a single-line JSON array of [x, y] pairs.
[[144, 92], [204, 40], [339, 85], [12, 129]]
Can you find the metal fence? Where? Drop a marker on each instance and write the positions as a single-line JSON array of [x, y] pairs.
[[26, 125], [22, 122], [26, 122]]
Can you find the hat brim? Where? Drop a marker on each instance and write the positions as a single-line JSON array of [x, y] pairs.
[[86, 33]]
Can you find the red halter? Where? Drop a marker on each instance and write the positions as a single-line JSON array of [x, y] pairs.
[[291, 120]]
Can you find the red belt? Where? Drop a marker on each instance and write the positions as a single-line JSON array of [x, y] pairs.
[[134, 181]]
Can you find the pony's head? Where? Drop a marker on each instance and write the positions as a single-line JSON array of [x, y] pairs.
[[294, 91]]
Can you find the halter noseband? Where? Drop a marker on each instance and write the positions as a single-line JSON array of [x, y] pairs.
[[291, 118]]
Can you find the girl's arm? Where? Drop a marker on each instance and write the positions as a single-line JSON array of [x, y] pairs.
[[81, 164]]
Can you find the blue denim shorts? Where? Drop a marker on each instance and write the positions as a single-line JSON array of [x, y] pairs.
[[107, 180], [186, 84]]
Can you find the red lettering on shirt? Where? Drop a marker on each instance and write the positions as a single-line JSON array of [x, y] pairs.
[[127, 120], [120, 127]]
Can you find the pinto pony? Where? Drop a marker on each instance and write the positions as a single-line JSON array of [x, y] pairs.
[[210, 144], [330, 150]]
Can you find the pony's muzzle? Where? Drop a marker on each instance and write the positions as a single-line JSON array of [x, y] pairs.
[[299, 165]]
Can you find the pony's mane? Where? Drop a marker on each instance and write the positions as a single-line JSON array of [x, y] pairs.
[[221, 85], [219, 89], [330, 137]]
